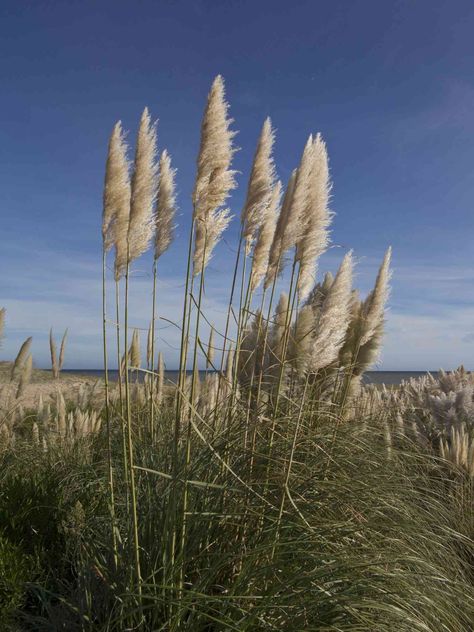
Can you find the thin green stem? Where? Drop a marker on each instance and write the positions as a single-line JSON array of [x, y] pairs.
[[120, 382], [133, 497], [107, 411], [152, 361]]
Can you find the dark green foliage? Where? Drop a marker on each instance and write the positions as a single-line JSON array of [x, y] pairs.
[[367, 541]]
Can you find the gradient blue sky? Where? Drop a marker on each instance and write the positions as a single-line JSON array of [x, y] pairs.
[[389, 84]]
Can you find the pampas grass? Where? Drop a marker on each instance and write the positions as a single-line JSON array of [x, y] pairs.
[[62, 350], [275, 492], [21, 357], [25, 377], [333, 319], [54, 355], [116, 197], [265, 238], [215, 179], [281, 239], [143, 189], [2, 323], [260, 187], [315, 238], [165, 205]]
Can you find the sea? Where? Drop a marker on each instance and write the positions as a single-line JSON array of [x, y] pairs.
[[370, 377]]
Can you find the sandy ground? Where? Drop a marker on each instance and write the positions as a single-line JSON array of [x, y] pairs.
[[42, 383]]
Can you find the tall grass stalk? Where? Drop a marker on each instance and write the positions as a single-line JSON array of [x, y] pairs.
[[131, 470], [110, 475]]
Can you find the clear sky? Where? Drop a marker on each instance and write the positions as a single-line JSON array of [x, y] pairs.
[[389, 84]]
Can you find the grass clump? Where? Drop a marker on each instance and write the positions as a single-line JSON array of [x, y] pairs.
[[274, 493]]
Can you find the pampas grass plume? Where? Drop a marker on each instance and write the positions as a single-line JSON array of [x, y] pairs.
[[214, 179], [276, 262], [116, 197], [165, 205], [315, 238], [265, 237], [260, 185], [210, 349], [295, 219], [374, 306], [2, 322], [62, 350], [143, 189], [135, 354], [334, 318], [21, 357], [25, 378]]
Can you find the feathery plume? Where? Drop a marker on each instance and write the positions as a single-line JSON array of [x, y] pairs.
[[165, 205], [135, 354], [143, 189], [21, 357], [374, 306], [207, 237], [54, 358], [210, 349], [265, 237], [276, 263], [260, 186], [314, 240], [62, 351], [149, 345], [2, 322], [214, 179], [301, 341], [25, 376], [295, 223], [229, 367], [116, 197], [319, 292], [333, 319]]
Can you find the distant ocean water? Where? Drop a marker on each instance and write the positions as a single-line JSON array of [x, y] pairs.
[[371, 377]]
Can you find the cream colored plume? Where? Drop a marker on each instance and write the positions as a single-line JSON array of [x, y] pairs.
[[135, 353], [319, 292], [143, 189], [302, 338], [276, 262], [210, 349], [214, 179], [116, 198], [165, 205], [2, 322], [208, 234], [260, 187], [62, 350], [315, 219], [21, 357], [25, 377], [296, 219], [54, 356], [334, 318], [265, 238], [374, 305]]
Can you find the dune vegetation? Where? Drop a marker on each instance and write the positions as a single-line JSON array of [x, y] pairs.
[[269, 488]]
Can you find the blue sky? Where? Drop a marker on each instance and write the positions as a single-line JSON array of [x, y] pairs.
[[390, 86]]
